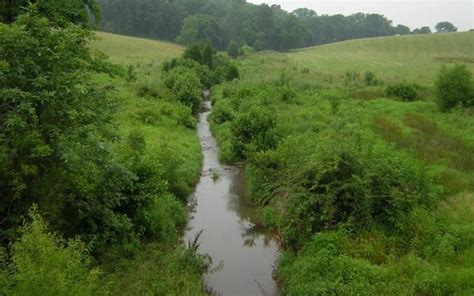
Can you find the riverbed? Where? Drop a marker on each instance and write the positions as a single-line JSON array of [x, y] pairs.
[[245, 251]]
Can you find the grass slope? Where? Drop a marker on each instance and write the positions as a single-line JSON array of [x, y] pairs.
[[393, 58], [171, 152], [129, 50], [313, 102]]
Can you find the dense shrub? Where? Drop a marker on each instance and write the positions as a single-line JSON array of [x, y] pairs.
[[232, 73], [262, 176], [186, 86], [202, 53], [246, 50], [222, 113], [370, 79], [163, 218], [202, 71], [44, 264], [253, 131], [339, 185], [323, 267], [187, 89], [454, 86], [329, 265], [233, 49], [404, 91]]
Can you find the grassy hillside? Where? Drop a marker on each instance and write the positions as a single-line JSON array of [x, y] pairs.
[[149, 117], [130, 50], [326, 153], [393, 58]]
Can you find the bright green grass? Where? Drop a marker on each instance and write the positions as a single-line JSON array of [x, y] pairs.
[[131, 50], [391, 58]]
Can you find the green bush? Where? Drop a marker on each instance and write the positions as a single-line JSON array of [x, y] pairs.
[[233, 49], [163, 218], [404, 91], [323, 267], [340, 185], [370, 79], [246, 50], [202, 53], [222, 113], [186, 86], [262, 176], [253, 131], [232, 73], [454, 86], [44, 264]]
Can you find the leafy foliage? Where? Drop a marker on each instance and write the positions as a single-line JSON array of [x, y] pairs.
[[445, 27], [253, 132], [60, 13], [233, 49], [454, 87], [404, 91], [44, 264], [48, 104]]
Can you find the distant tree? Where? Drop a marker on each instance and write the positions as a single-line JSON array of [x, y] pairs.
[[454, 87], [200, 28], [233, 49], [422, 30], [59, 12], [304, 13], [425, 30], [293, 34], [445, 27], [402, 30]]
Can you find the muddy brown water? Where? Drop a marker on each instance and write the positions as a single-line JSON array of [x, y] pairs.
[[246, 251]]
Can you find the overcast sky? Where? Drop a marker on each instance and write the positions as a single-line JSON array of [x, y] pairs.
[[411, 13]]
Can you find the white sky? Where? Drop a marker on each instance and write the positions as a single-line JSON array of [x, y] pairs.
[[411, 13]]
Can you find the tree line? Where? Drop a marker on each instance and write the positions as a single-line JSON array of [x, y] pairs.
[[225, 22]]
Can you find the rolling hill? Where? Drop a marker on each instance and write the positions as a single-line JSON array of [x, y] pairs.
[[129, 50], [411, 57]]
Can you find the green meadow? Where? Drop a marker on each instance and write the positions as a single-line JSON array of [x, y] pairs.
[[130, 50], [323, 142], [393, 58], [321, 104]]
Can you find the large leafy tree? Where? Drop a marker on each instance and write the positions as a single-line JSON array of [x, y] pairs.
[[54, 129]]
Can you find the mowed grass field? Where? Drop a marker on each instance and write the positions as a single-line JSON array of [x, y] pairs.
[[132, 50], [394, 58]]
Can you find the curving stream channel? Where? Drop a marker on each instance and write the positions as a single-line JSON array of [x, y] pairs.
[[246, 251]]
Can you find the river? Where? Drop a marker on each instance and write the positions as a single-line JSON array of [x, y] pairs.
[[247, 252]]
